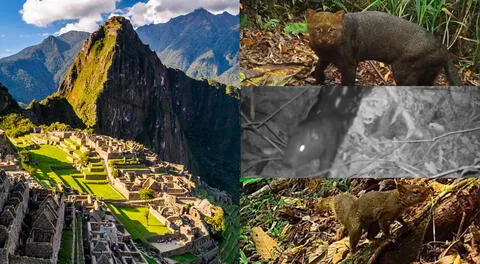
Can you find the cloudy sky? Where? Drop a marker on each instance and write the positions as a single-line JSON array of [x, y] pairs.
[[28, 22]]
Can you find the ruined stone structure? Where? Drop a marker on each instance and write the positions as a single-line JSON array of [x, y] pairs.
[[109, 242], [13, 210], [31, 223]]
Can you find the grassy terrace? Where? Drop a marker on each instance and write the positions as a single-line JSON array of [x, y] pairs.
[[149, 259], [133, 218], [46, 157], [72, 149], [184, 258], [65, 253]]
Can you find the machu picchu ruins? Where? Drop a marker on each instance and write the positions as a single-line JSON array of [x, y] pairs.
[[35, 210]]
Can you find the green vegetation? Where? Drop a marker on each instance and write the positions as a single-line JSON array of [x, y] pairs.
[[90, 75], [16, 125], [184, 258], [65, 253], [456, 22], [79, 258], [149, 259], [57, 126], [216, 221], [133, 218], [46, 157], [146, 194], [130, 161], [24, 155], [115, 173], [296, 28], [230, 237]]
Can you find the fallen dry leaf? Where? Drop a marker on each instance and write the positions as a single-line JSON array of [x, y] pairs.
[[266, 246]]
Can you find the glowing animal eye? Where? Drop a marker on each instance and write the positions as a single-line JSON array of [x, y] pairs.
[[302, 148]]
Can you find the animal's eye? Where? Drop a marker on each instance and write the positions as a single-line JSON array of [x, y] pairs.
[[416, 191]]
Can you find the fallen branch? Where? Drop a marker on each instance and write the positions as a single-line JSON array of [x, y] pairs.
[[438, 137], [267, 188]]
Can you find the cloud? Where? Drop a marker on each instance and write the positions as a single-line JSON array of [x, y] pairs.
[[2, 35], [160, 11], [86, 13]]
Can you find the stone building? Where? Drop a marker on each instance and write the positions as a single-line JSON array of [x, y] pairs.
[[42, 227], [11, 218]]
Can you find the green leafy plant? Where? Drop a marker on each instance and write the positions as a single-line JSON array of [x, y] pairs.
[[243, 21], [271, 24], [146, 194], [296, 28]]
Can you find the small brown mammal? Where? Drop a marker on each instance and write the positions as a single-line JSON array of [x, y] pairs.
[[375, 210], [416, 55]]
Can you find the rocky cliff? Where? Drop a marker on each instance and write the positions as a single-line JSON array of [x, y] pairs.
[[53, 109], [118, 86], [7, 103]]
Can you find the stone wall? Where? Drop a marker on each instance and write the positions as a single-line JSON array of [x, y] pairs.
[[29, 260], [18, 202], [161, 218], [48, 250], [94, 177]]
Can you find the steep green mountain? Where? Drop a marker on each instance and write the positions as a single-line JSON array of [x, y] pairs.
[[200, 44], [7, 103], [36, 71], [118, 86]]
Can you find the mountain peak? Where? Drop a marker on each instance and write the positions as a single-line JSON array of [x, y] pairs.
[[201, 10], [114, 41]]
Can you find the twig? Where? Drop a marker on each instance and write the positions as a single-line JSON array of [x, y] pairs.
[[267, 187], [264, 137], [378, 71], [438, 137], [280, 108], [453, 171], [255, 162], [378, 251]]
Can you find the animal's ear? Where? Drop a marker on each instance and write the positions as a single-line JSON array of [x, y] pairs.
[[310, 13], [340, 14]]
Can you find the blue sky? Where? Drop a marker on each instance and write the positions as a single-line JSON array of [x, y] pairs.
[[25, 23]]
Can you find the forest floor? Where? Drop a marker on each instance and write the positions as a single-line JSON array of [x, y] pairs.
[[276, 58], [286, 221]]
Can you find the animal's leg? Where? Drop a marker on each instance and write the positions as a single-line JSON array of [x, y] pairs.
[[319, 72]]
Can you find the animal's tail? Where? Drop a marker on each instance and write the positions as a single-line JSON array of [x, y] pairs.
[[451, 72]]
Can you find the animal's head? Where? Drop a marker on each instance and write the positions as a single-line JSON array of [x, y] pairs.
[[412, 194], [305, 145], [325, 28]]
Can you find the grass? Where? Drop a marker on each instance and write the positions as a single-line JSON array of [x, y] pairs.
[[133, 218], [79, 258], [65, 253], [149, 259], [47, 156], [101, 189], [187, 257]]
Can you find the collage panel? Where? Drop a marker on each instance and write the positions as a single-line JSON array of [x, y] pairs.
[[359, 220], [119, 131], [367, 43], [374, 173], [367, 132]]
